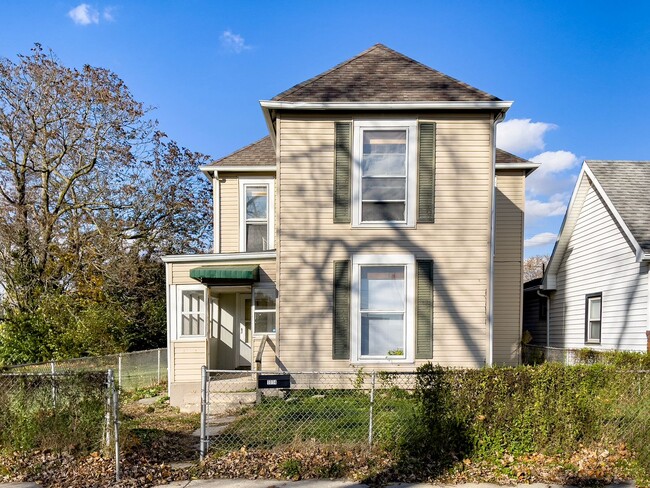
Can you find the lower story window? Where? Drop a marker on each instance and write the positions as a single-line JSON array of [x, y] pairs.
[[593, 314], [264, 310], [382, 307], [192, 312]]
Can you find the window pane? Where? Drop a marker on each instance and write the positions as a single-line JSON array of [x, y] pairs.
[[382, 334], [383, 189], [256, 237], [383, 165], [382, 212], [192, 301], [594, 308], [383, 288], [192, 324], [265, 299], [264, 322], [384, 153], [256, 202], [595, 330]]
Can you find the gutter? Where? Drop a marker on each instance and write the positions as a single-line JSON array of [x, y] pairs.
[[235, 256], [529, 167]]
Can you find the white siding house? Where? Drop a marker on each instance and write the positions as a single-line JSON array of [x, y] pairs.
[[597, 278]]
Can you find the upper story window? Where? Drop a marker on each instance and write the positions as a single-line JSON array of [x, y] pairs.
[[256, 214], [384, 173], [593, 318]]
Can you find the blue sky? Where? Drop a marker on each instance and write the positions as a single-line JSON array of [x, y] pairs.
[[578, 72]]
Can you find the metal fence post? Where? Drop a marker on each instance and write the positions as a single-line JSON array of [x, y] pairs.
[[119, 369], [116, 426], [158, 368], [110, 385], [53, 371], [372, 402], [204, 411]]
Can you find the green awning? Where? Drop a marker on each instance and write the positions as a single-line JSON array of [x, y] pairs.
[[227, 275]]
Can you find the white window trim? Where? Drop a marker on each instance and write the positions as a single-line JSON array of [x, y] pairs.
[[261, 334], [359, 260], [178, 312], [243, 183], [411, 126], [591, 340]]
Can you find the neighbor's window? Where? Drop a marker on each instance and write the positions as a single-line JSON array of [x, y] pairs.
[[256, 215], [192, 312], [264, 310], [594, 316], [384, 190], [383, 304]]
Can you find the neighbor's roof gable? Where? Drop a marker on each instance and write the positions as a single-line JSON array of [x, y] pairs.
[[259, 153], [380, 74], [626, 184], [622, 186]]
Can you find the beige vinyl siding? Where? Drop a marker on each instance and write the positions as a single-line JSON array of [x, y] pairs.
[[180, 272], [229, 209], [309, 241], [510, 197], [599, 259], [187, 359]]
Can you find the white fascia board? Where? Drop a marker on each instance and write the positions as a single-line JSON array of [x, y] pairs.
[[640, 255], [235, 169], [198, 258], [529, 167], [494, 105], [564, 234]]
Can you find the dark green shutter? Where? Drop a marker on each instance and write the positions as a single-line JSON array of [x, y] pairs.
[[341, 311], [424, 310], [426, 171], [342, 174]]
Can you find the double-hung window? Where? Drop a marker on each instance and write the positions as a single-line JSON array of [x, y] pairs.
[[384, 173], [190, 303], [382, 308], [593, 318], [256, 215], [264, 299]]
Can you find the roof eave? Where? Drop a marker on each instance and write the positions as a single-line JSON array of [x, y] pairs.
[[528, 167], [237, 169], [500, 105]]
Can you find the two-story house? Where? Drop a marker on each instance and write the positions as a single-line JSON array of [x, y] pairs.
[[376, 226]]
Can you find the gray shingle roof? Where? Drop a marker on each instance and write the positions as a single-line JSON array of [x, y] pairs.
[[260, 153], [626, 184], [504, 157], [380, 74]]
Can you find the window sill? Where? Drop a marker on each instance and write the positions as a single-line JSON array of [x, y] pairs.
[[384, 225], [382, 361]]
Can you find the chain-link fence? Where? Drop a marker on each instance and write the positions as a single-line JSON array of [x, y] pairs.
[[59, 411], [269, 409], [531, 354], [549, 408], [132, 369]]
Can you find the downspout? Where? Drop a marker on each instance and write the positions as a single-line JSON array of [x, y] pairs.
[[216, 206], [490, 304], [548, 317]]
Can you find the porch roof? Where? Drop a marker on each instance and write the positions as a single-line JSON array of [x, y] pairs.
[[244, 274]]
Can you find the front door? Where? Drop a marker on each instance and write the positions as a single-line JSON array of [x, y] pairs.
[[245, 340]]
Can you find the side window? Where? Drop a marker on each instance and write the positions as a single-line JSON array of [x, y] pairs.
[[384, 173], [593, 318], [264, 299], [191, 307], [256, 215]]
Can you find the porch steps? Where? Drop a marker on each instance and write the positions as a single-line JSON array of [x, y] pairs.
[[230, 394]]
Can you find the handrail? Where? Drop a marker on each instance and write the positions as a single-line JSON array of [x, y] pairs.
[[260, 353]]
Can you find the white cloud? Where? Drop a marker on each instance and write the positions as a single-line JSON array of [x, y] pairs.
[[555, 175], [107, 14], [522, 135], [233, 42], [556, 207], [84, 14], [542, 239]]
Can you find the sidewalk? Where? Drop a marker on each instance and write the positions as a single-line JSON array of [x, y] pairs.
[[228, 483]]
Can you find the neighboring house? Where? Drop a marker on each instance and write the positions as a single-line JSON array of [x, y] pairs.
[[597, 277], [535, 312], [377, 226]]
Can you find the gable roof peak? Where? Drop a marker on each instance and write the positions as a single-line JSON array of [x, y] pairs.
[[381, 74]]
